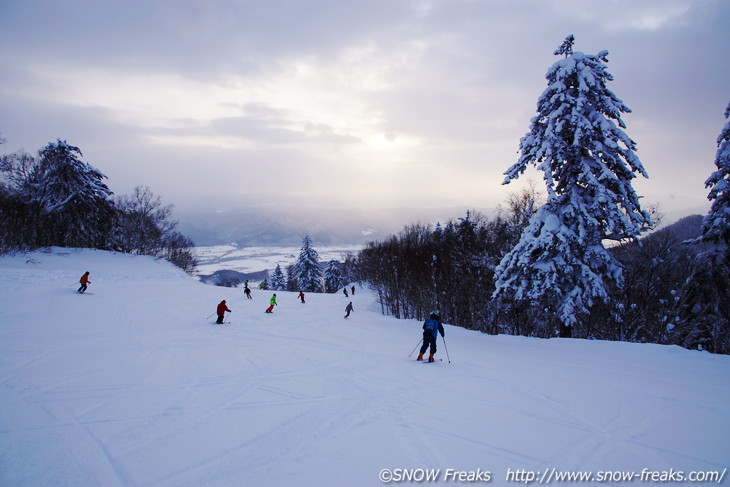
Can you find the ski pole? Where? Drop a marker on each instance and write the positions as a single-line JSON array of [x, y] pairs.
[[209, 316], [445, 348], [416, 347]]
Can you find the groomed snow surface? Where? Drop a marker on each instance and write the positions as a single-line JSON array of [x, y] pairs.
[[133, 386]]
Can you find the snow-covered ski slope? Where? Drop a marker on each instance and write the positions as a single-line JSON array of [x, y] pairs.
[[133, 386]]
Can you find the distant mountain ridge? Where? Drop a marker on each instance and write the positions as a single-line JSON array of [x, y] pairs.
[[689, 227]]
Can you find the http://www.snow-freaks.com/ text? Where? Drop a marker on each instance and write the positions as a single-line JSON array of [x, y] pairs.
[[549, 476]]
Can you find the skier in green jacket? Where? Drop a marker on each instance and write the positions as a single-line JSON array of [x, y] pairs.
[[270, 309]]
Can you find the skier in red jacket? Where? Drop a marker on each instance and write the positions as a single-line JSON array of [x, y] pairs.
[[84, 281], [221, 311]]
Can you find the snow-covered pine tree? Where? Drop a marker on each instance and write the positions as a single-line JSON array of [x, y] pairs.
[[588, 163], [703, 320], [716, 224], [333, 276], [278, 281], [72, 196], [307, 271], [291, 281]]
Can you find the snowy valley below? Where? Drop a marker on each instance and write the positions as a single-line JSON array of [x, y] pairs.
[[133, 385], [253, 262]]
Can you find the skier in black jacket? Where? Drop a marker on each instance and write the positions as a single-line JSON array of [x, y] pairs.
[[348, 309]]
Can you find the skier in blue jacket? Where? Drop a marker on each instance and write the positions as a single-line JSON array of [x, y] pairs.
[[431, 327]]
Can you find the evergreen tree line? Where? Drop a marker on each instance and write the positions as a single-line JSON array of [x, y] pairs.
[[447, 268], [672, 293], [56, 199], [309, 274]]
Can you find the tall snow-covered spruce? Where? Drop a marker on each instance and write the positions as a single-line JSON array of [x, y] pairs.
[[716, 224], [307, 272], [278, 281], [72, 196], [703, 320], [588, 163], [333, 276]]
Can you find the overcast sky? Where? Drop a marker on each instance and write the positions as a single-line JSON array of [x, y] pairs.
[[351, 102]]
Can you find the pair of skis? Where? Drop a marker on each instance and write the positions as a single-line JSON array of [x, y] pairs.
[[439, 360]]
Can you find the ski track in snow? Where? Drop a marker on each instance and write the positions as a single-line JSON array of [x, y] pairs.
[[133, 386]]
